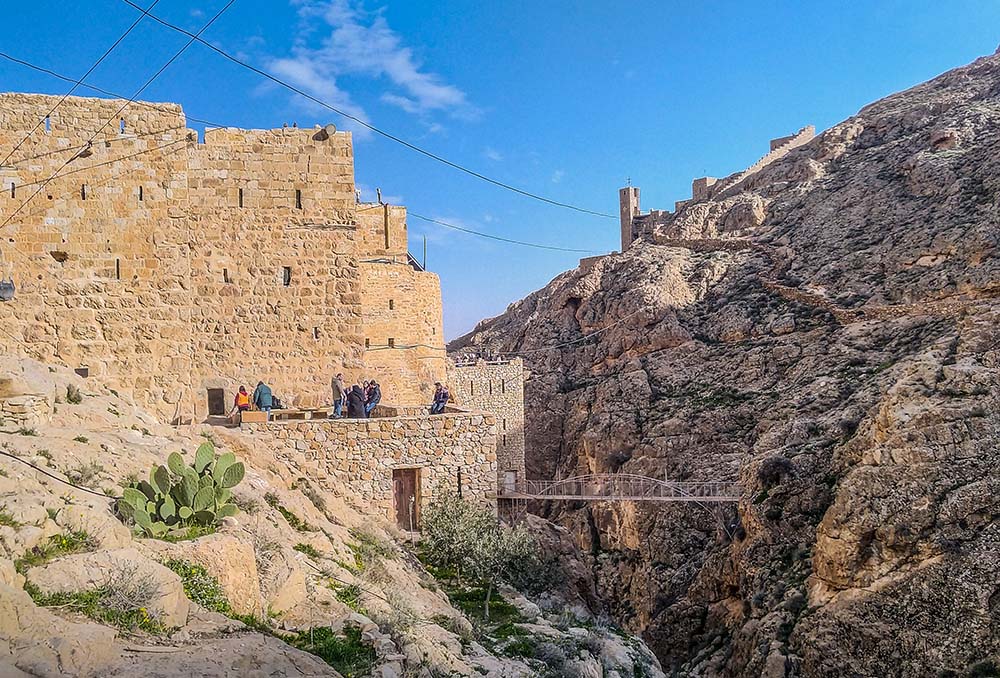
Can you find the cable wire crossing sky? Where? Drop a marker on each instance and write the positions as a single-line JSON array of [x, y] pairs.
[[505, 129]]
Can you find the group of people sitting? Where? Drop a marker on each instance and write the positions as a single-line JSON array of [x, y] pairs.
[[262, 400], [360, 399]]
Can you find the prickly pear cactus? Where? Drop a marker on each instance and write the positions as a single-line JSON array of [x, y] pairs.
[[179, 495]]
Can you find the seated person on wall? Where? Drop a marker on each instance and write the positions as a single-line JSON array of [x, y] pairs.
[[356, 403], [262, 398], [240, 404], [441, 397], [374, 396]]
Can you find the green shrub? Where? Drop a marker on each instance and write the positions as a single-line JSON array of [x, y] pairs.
[[349, 595], [293, 520], [81, 439], [57, 545], [307, 549], [199, 586], [7, 519], [349, 654], [117, 602], [27, 431], [468, 538], [178, 496]]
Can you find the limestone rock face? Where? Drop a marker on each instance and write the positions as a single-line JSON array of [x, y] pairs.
[[824, 333], [85, 571], [38, 643], [226, 558]]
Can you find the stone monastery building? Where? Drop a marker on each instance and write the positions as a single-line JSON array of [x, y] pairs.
[[173, 267], [176, 269]]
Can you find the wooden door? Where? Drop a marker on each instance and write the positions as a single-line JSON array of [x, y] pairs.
[[406, 497]]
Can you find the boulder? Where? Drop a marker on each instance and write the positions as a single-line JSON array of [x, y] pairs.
[[226, 558], [98, 522], [86, 571], [38, 643]]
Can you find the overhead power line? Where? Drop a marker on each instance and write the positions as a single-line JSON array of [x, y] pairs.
[[500, 238], [94, 88], [369, 126], [135, 96], [145, 13]]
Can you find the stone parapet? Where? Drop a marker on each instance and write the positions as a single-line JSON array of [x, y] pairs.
[[27, 411], [360, 455]]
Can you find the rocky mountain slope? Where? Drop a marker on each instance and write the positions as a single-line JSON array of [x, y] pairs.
[[81, 595], [825, 333]]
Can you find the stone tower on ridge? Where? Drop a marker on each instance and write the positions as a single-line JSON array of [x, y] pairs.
[[628, 202]]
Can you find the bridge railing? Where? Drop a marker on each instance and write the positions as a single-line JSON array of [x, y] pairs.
[[622, 487]]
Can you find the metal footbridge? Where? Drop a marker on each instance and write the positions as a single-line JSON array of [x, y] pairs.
[[620, 487]]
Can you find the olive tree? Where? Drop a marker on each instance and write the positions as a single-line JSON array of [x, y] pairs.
[[470, 539]]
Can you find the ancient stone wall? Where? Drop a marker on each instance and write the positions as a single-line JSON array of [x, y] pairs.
[[498, 388], [382, 231], [24, 412], [168, 267], [361, 454], [403, 329]]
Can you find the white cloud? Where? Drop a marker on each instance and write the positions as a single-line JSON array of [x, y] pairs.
[[307, 76], [557, 176], [493, 154], [339, 39]]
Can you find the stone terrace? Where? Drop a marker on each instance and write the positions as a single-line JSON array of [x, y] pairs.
[[362, 454]]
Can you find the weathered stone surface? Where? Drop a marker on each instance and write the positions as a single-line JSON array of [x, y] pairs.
[[86, 571], [38, 643], [226, 558], [838, 357]]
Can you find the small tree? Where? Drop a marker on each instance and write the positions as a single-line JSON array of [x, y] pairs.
[[468, 538], [450, 528], [498, 554]]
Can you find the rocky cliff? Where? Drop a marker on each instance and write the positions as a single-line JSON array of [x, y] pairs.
[[825, 333]]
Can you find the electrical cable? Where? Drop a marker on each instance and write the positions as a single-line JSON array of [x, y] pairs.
[[500, 238], [55, 477], [370, 207], [125, 105], [145, 13], [60, 76], [369, 126]]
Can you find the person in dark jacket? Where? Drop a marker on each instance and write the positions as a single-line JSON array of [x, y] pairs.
[[374, 396], [441, 398], [356, 403], [262, 398]]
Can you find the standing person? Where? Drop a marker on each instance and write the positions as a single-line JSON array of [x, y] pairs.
[[374, 396], [441, 397], [262, 398], [337, 384], [356, 403]]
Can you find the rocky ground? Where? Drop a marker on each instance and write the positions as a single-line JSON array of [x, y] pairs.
[[295, 560], [825, 333]]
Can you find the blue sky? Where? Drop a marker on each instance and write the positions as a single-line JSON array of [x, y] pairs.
[[563, 99]]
